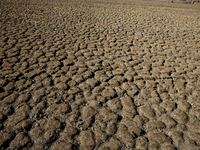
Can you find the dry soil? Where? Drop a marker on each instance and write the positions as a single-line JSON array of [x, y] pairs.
[[99, 74]]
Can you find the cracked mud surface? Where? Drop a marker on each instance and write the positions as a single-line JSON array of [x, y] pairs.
[[103, 75]]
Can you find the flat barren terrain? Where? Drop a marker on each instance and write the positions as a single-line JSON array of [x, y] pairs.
[[101, 74]]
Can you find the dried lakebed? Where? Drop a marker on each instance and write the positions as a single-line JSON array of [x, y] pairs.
[[99, 74]]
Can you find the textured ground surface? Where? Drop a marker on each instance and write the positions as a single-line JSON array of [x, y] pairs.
[[99, 75]]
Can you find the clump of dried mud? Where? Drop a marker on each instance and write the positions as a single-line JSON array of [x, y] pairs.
[[99, 75]]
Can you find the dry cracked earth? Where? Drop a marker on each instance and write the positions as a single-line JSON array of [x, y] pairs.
[[106, 75]]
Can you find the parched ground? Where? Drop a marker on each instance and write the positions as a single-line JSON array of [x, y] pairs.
[[99, 74]]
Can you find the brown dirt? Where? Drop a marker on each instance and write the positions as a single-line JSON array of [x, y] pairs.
[[99, 75]]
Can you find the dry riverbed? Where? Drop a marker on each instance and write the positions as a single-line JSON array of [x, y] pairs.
[[99, 74]]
